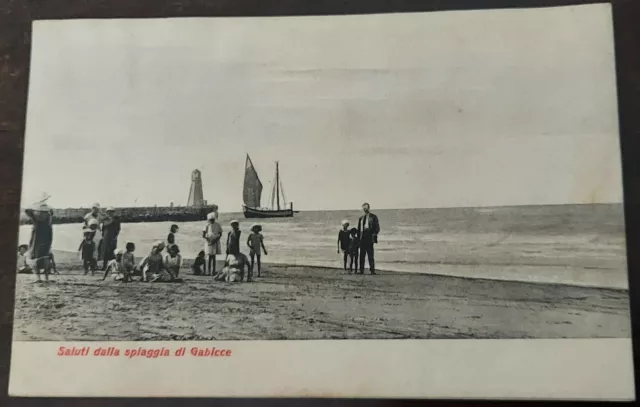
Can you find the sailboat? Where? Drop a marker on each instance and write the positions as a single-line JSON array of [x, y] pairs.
[[252, 195]]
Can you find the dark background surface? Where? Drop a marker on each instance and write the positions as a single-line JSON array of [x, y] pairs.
[[15, 37]]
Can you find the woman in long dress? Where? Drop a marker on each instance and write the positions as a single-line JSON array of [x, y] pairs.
[[110, 232], [41, 238]]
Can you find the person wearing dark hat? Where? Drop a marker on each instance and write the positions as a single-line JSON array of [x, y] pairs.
[[110, 232], [368, 229]]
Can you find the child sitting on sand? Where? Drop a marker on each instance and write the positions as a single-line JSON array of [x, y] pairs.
[[115, 267], [87, 251], [255, 243], [22, 266], [153, 264], [173, 260], [154, 269], [129, 260], [199, 263], [233, 271], [353, 249]]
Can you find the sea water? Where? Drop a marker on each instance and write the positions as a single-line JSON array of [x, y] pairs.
[[564, 244]]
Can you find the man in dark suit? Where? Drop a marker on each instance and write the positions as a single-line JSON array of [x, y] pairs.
[[368, 229]]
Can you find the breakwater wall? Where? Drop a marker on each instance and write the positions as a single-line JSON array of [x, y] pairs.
[[133, 214]]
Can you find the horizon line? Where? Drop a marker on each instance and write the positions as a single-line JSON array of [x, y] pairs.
[[358, 208]]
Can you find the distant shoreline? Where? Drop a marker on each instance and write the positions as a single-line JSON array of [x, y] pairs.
[[142, 214], [303, 303], [357, 209], [71, 260]]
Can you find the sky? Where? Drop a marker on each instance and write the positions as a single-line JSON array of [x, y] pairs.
[[461, 108]]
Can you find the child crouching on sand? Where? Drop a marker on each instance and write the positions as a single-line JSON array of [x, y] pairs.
[[199, 264], [22, 266], [233, 271]]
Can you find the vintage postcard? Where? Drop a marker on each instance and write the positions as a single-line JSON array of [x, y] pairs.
[[419, 205]]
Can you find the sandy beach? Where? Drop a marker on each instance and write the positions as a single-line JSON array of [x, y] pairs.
[[310, 303]]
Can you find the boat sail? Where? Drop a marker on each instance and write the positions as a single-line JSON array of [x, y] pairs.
[[252, 195]]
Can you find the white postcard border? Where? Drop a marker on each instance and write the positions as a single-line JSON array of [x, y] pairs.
[[559, 369]]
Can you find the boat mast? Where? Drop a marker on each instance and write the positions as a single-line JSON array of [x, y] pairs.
[[278, 185]]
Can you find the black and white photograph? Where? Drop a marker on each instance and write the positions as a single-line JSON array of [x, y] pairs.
[[399, 205], [453, 176]]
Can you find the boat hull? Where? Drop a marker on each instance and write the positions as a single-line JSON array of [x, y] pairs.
[[253, 213]]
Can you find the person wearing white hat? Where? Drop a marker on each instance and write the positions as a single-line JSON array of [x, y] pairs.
[[343, 241], [115, 267], [41, 237], [93, 227], [93, 224], [93, 214], [211, 233], [110, 232]]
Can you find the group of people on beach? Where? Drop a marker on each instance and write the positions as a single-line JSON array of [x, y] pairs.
[[236, 261], [357, 244], [164, 261], [157, 266]]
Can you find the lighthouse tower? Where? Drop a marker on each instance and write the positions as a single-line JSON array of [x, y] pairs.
[[196, 197]]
